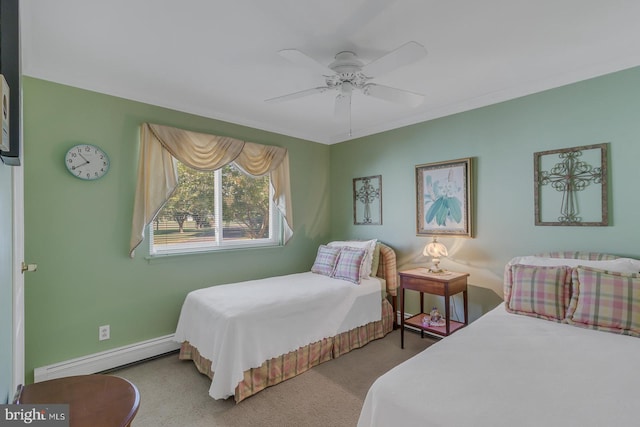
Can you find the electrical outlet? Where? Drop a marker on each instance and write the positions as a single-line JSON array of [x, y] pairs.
[[104, 332]]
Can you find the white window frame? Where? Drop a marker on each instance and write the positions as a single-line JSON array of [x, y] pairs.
[[220, 244]]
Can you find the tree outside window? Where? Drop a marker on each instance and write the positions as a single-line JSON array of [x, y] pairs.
[[213, 210]]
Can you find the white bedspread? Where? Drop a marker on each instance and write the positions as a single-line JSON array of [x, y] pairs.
[[239, 326], [512, 370]]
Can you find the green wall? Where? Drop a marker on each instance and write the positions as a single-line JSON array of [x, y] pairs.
[[502, 139], [78, 232], [6, 283]]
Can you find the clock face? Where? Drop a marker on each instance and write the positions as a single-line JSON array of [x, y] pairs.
[[86, 161]]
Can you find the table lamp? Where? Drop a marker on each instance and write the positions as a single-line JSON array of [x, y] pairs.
[[435, 250]]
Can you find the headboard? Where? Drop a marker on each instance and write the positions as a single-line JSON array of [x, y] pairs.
[[387, 269], [591, 256]]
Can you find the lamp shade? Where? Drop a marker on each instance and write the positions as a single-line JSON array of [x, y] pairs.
[[435, 249]]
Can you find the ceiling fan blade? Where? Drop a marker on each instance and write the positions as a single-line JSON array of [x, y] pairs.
[[404, 55], [302, 59], [393, 94], [297, 95]]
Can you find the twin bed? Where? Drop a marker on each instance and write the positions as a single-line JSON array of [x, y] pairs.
[[251, 335], [561, 350]]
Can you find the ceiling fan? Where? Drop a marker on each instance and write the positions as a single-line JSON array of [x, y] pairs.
[[347, 73]]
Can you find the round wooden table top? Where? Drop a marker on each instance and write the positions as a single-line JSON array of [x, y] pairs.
[[94, 400]]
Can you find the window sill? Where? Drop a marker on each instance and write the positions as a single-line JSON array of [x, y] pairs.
[[167, 256]]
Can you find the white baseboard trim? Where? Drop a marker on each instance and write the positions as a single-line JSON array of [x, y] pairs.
[[108, 359]]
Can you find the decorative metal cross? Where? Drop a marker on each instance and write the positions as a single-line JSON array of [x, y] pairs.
[[570, 176], [367, 194]]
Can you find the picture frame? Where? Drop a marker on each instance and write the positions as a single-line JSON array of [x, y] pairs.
[[444, 198], [367, 200], [570, 186]]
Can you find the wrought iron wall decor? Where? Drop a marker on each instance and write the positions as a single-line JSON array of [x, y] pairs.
[[443, 198], [571, 186], [367, 200]]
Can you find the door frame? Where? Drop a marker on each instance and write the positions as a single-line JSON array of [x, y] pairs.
[[18, 277]]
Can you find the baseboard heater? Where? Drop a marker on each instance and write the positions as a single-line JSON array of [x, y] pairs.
[[114, 358], [109, 359]]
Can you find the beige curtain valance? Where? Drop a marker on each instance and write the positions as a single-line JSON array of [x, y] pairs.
[[158, 174]]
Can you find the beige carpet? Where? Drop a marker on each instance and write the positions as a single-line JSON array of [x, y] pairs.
[[174, 393]]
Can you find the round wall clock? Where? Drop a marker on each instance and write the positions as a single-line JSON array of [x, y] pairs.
[[86, 161]]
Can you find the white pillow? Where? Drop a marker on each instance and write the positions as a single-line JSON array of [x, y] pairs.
[[368, 245], [619, 265]]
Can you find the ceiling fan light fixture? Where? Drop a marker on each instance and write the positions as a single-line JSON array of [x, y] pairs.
[[346, 88]]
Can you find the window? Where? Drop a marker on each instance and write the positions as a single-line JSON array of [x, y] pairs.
[[161, 146], [215, 210]]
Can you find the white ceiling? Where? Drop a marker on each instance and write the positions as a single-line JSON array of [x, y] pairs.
[[219, 58]]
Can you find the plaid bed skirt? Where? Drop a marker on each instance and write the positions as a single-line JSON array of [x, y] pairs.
[[286, 366]]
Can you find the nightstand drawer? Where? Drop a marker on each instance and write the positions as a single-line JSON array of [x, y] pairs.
[[422, 285]]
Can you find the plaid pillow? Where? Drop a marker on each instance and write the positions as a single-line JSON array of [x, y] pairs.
[[538, 291], [325, 261], [368, 245], [605, 300], [349, 264]]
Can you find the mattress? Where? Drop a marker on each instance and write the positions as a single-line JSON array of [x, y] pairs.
[[239, 326], [512, 370]]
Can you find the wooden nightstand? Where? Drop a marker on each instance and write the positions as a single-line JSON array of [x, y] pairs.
[[94, 400], [443, 284]]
